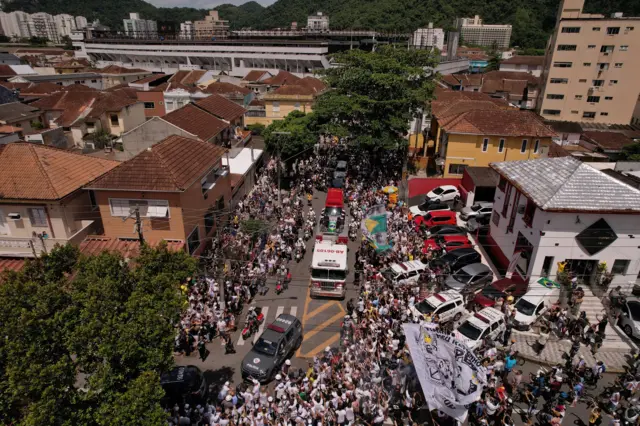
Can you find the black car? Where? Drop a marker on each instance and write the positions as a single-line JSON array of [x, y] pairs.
[[445, 230], [457, 259], [337, 183], [184, 384]]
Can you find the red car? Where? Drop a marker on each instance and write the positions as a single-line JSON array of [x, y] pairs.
[[450, 242], [436, 217], [500, 289]]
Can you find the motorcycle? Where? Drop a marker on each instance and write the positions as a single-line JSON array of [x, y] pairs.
[[307, 234], [255, 317], [278, 287], [298, 255]]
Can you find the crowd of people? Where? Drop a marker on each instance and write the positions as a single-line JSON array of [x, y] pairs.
[[369, 378]]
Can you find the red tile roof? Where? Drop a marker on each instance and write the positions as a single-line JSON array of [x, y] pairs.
[[524, 60], [256, 75], [283, 77], [149, 79], [446, 111], [499, 122], [196, 121], [221, 107], [223, 88], [37, 172], [7, 70], [42, 89], [178, 76], [193, 77], [128, 248], [15, 86], [510, 75], [608, 141], [76, 63], [312, 83], [11, 264], [115, 69], [171, 165]]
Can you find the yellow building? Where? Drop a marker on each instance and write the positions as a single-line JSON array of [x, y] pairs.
[[482, 136]]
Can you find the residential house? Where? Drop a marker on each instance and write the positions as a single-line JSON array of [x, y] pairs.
[[114, 75], [290, 97], [179, 187], [554, 211], [240, 95], [8, 95], [479, 137], [146, 135], [176, 95], [55, 137], [153, 99], [10, 134], [16, 114], [281, 79], [72, 66], [9, 59], [522, 63], [224, 109], [254, 80], [89, 79], [149, 82], [42, 202], [606, 142], [9, 71], [81, 113], [243, 165]]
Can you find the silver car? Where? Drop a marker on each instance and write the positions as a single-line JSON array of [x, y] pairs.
[[481, 208], [470, 277], [630, 317]]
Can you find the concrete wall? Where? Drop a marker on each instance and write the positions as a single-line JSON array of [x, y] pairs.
[[158, 101], [421, 186], [151, 132], [128, 118], [115, 79]]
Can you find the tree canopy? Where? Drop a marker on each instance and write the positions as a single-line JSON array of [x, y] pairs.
[[290, 136], [631, 152], [85, 338]]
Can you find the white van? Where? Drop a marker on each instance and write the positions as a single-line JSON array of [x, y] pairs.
[[486, 324], [448, 305], [533, 304], [405, 272]]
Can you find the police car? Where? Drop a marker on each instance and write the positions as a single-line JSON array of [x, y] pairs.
[[448, 305], [277, 343], [486, 324]]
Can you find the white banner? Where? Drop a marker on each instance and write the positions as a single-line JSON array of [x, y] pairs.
[[450, 374]]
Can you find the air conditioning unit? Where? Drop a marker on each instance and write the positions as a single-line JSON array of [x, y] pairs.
[[14, 216]]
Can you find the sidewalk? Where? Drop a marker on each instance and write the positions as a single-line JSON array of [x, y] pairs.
[[614, 359]]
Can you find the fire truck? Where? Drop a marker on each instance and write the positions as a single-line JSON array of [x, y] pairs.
[[332, 225], [329, 269]]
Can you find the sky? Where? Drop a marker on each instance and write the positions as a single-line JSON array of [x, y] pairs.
[[202, 4]]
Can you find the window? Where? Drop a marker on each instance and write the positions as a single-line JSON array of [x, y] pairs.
[[586, 64], [591, 46], [148, 208], [523, 147], [296, 106], [597, 83], [114, 119], [559, 81], [457, 169], [593, 99], [160, 224], [92, 200], [193, 240], [613, 30], [620, 266], [149, 105], [501, 146], [485, 145], [546, 266], [603, 66], [562, 64], [94, 81], [606, 49], [554, 96], [575, 111], [567, 47], [90, 125], [596, 28], [536, 146], [209, 222], [618, 65], [612, 82], [588, 114], [572, 30], [628, 28], [502, 183], [37, 216], [582, 80], [276, 106], [495, 218], [624, 47], [551, 112], [220, 203], [578, 97], [608, 98], [604, 114]]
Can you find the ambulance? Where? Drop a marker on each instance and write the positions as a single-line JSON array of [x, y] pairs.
[[329, 269]]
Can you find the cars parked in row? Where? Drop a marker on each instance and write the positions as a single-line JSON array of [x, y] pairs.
[[436, 217], [487, 324], [445, 230], [444, 193], [500, 289], [470, 277], [448, 305], [448, 242], [457, 259], [481, 209], [630, 317], [427, 206]]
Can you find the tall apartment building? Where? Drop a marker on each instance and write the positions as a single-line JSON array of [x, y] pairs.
[[590, 68], [81, 22], [43, 25], [428, 37], [211, 26], [186, 30], [23, 25], [473, 31], [140, 28], [318, 22], [64, 24]]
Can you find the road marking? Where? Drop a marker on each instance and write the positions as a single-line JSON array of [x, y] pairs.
[[319, 309], [279, 312], [265, 311], [324, 325], [320, 347], [294, 311]]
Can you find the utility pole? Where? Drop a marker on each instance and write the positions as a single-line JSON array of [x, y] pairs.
[[138, 225], [278, 134]]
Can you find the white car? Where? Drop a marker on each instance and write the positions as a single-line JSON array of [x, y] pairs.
[[486, 324], [480, 209], [428, 206], [444, 193], [449, 305], [630, 317]]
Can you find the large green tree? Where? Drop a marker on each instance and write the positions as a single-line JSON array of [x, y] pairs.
[[291, 136], [631, 152], [85, 338], [373, 96]]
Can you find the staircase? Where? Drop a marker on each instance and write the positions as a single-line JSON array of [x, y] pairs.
[[592, 306]]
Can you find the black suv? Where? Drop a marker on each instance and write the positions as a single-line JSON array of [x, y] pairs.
[[277, 343], [456, 259], [184, 384]]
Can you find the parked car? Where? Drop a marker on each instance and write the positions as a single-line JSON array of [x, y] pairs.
[[449, 242], [469, 277], [341, 170], [449, 305], [445, 230], [182, 384], [479, 223], [630, 317], [437, 217], [456, 259], [405, 272], [482, 208], [427, 206], [486, 324], [500, 289], [444, 193], [534, 304]]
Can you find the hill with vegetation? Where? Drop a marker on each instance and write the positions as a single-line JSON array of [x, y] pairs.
[[532, 20]]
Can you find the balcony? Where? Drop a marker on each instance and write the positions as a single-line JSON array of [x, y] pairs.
[[25, 247]]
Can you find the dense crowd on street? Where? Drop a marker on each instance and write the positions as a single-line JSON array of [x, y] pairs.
[[369, 378]]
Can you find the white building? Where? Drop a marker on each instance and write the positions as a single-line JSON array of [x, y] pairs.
[[12, 24], [64, 24], [44, 25], [140, 28], [318, 22], [473, 31], [561, 210], [186, 30], [22, 25], [428, 38], [81, 22]]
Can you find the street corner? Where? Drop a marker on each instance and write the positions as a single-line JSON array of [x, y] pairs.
[[321, 322]]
